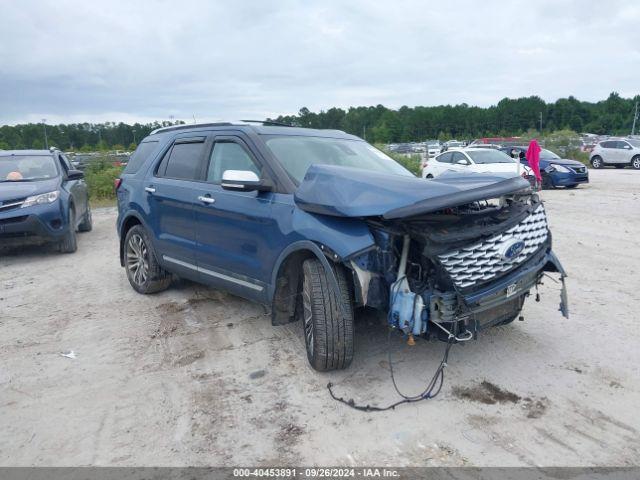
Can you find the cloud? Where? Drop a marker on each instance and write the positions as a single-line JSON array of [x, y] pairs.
[[86, 61]]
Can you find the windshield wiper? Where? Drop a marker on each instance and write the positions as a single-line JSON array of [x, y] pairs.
[[19, 180]]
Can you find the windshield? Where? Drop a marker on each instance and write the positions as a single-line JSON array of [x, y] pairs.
[[25, 168], [635, 143], [548, 155], [298, 153], [489, 156]]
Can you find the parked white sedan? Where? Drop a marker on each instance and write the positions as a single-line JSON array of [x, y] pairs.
[[474, 160]]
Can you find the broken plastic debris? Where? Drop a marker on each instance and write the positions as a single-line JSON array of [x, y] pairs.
[[69, 354]]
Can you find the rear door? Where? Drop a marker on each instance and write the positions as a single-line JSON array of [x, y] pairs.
[[442, 163], [237, 238], [609, 151], [172, 192]]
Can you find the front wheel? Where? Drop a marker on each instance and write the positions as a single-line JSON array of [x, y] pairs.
[[328, 333], [596, 162], [87, 221], [143, 271], [635, 162], [547, 184], [69, 243]]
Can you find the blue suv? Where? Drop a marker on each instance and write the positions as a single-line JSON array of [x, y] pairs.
[[43, 199], [316, 223]]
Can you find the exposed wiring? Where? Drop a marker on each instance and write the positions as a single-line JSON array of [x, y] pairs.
[[432, 390]]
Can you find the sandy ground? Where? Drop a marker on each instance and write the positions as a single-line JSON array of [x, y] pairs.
[[193, 376]]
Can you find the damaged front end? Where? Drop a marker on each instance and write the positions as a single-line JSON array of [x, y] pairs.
[[455, 271]]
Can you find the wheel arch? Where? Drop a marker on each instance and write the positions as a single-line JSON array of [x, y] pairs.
[[129, 221], [286, 275]]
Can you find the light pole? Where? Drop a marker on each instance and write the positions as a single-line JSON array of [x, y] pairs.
[[44, 127], [635, 117]]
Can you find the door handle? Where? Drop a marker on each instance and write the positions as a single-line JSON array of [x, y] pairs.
[[208, 200], [150, 189]]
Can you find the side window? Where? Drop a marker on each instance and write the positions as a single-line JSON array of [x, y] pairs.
[[445, 158], [66, 166], [608, 145], [623, 145], [183, 160], [229, 155], [458, 156], [144, 151]]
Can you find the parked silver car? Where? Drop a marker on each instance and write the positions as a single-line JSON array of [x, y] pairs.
[[617, 152]]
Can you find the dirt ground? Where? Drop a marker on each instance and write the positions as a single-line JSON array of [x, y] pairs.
[[193, 376]]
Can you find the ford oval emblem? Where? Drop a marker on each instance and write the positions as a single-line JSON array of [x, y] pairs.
[[510, 250]]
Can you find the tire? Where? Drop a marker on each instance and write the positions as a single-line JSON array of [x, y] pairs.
[[547, 184], [69, 243], [87, 221], [143, 271], [328, 335], [429, 176], [596, 162], [635, 162]]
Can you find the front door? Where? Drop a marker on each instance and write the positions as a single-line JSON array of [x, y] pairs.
[[236, 234]]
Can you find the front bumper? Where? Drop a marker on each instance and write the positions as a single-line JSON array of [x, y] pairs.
[[32, 225], [560, 179], [500, 301]]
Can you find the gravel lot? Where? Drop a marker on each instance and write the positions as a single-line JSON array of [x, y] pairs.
[[193, 376]]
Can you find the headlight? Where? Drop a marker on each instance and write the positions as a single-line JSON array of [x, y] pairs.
[[41, 199], [560, 168]]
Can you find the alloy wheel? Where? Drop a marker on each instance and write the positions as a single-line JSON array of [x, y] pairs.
[[636, 163], [137, 259]]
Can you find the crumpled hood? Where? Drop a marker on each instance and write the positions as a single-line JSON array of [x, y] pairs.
[[12, 190], [353, 192]]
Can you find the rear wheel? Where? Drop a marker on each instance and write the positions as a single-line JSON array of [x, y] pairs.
[[596, 162], [429, 176], [69, 243], [143, 271], [328, 334], [635, 162]]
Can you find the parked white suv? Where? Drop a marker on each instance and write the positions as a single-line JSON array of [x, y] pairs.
[[620, 153]]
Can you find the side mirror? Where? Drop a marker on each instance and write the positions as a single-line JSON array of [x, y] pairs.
[[75, 175], [244, 181]]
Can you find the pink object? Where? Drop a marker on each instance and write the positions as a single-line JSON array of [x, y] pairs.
[[533, 158]]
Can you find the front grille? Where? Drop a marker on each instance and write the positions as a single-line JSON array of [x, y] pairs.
[[483, 261], [12, 204]]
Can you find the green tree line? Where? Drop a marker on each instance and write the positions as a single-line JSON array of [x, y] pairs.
[[377, 124]]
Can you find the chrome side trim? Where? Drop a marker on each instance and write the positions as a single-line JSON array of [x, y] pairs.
[[219, 275]]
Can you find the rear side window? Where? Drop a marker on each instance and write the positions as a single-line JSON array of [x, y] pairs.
[[183, 160], [144, 151], [608, 144], [445, 158]]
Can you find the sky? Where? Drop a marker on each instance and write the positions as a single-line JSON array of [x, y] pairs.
[[81, 61]]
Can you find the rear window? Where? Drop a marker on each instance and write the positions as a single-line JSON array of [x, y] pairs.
[[144, 151]]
